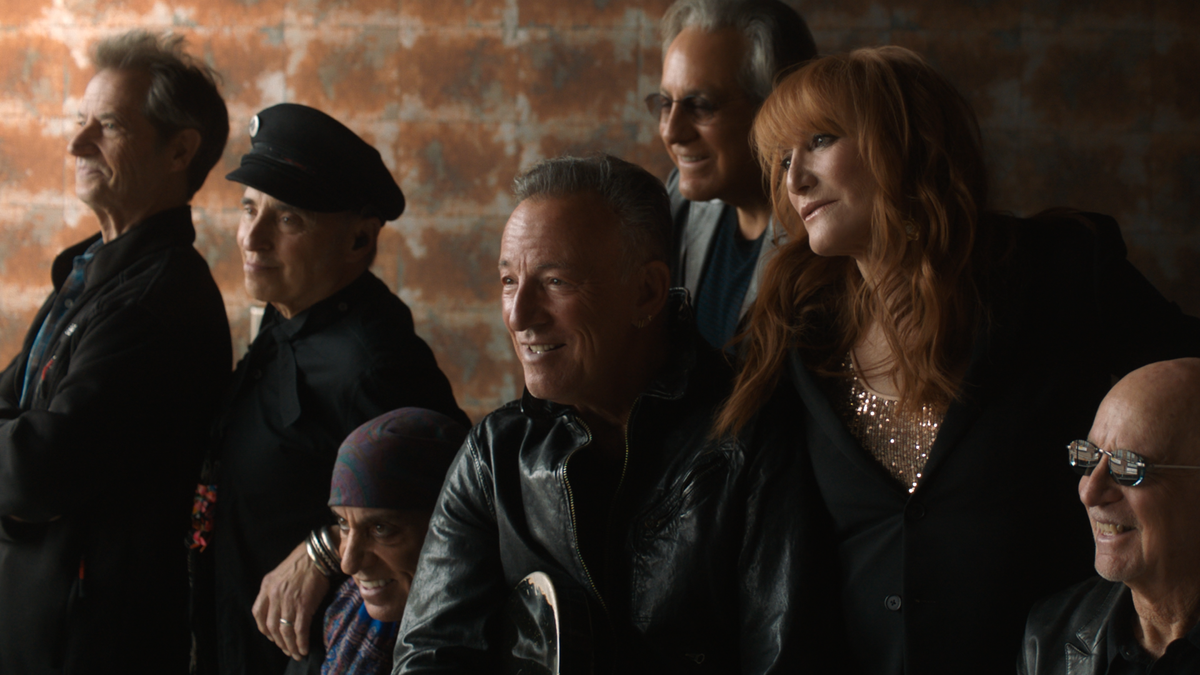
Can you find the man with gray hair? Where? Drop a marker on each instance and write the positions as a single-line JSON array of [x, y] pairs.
[[102, 412], [1141, 488], [666, 548], [720, 61]]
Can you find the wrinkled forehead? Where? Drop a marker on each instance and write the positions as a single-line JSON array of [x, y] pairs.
[[1126, 421], [122, 91], [578, 226]]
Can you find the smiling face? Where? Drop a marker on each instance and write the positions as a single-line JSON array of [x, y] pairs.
[[120, 163], [293, 258], [1145, 535], [566, 306], [379, 549], [831, 188], [714, 158]]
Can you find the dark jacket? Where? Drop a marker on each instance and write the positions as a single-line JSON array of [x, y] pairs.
[[1073, 633], [305, 384], [933, 580], [703, 570], [696, 224], [103, 461]]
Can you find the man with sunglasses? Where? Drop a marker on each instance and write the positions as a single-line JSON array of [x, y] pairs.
[[720, 62], [1141, 487]]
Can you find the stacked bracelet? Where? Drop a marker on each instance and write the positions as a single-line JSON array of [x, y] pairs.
[[323, 552]]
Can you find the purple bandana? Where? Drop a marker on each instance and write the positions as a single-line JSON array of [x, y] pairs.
[[396, 461]]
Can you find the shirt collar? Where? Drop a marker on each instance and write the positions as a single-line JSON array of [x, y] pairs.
[[323, 312]]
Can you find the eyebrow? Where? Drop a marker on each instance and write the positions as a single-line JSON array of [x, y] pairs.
[[545, 266], [279, 206]]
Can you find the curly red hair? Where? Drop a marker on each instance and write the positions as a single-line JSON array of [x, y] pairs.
[[920, 140]]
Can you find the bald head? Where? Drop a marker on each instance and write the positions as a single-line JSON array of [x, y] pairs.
[[1146, 533], [1157, 404]]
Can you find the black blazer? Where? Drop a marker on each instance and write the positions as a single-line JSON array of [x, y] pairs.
[[102, 462], [940, 581]]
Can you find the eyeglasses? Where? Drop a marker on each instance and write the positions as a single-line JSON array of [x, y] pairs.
[[1125, 466], [700, 109]]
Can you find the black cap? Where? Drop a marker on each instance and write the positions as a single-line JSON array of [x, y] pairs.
[[303, 157]]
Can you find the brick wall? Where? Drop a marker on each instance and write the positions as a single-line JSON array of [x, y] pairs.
[[1091, 103]]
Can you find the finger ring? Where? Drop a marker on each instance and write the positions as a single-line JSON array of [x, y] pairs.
[[285, 622]]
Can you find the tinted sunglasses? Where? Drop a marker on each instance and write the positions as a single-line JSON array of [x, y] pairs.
[[1125, 466]]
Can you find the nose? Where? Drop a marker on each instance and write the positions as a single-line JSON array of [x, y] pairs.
[[254, 232], [353, 547], [1099, 488], [799, 178], [675, 125], [523, 307], [82, 143]]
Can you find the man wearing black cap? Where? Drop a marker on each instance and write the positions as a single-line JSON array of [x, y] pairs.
[[335, 349]]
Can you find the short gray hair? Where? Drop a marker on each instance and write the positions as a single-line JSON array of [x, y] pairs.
[[182, 95], [777, 36], [634, 195]]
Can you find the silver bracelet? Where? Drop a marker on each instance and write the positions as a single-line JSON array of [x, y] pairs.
[[319, 554]]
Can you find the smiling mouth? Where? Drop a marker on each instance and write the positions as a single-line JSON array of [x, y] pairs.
[[372, 584], [1111, 528], [813, 208], [542, 349]]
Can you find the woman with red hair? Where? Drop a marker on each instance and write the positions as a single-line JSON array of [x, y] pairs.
[[941, 356]]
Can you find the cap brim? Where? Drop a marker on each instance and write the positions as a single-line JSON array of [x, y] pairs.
[[288, 184]]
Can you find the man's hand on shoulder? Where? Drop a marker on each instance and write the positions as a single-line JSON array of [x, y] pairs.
[[287, 600]]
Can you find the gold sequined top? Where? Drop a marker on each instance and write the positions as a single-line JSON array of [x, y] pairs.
[[900, 442]]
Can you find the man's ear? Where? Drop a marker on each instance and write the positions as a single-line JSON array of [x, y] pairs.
[[182, 148], [365, 231], [654, 283]]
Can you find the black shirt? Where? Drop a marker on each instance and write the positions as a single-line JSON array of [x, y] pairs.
[[305, 384], [731, 262], [1126, 656]]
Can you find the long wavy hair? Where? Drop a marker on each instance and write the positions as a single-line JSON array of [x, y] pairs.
[[920, 140]]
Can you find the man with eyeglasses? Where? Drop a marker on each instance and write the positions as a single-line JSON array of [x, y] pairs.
[[1141, 487], [720, 62]]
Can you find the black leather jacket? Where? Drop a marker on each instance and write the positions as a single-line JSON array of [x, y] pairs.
[[1072, 633], [704, 571]]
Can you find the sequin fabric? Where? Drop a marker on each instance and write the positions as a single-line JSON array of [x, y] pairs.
[[900, 442]]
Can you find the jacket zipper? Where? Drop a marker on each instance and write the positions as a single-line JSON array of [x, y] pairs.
[[574, 529], [571, 498]]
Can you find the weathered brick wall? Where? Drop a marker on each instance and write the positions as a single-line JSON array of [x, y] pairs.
[[1090, 103]]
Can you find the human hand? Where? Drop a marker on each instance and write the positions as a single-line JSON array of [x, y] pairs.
[[287, 600]]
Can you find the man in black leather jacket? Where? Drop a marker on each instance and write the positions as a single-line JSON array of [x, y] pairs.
[[604, 476], [1142, 614]]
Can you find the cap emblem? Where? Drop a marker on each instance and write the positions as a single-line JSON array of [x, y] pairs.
[[253, 126]]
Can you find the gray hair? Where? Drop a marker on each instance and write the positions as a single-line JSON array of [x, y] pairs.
[[634, 195], [777, 37], [183, 93]]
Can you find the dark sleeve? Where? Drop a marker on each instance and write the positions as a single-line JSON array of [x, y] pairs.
[[787, 570], [8, 386], [460, 581], [136, 385], [408, 379], [1135, 324]]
